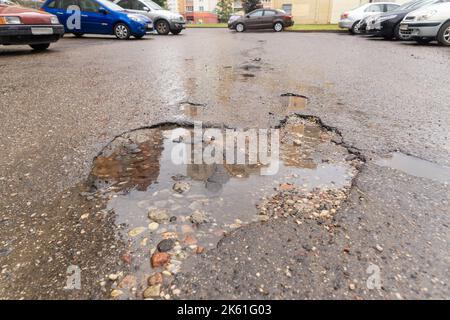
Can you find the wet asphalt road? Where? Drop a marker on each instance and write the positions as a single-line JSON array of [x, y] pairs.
[[59, 108]]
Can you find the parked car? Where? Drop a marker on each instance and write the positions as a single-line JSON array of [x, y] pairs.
[[262, 19], [427, 24], [98, 17], [20, 25], [164, 21], [350, 20], [387, 25]]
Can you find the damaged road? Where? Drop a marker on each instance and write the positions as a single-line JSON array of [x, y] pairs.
[[86, 181]]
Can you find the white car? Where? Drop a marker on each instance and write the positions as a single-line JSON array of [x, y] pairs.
[[428, 24], [350, 19]]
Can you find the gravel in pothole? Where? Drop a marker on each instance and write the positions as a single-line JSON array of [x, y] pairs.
[[168, 212]]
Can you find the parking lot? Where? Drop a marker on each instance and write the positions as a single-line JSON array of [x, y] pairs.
[[60, 108]]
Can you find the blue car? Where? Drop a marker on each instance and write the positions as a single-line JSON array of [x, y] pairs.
[[98, 17]]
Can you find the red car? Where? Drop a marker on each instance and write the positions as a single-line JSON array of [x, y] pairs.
[[20, 25]]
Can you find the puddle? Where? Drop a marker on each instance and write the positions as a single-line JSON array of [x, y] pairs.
[[416, 167], [294, 102], [195, 205]]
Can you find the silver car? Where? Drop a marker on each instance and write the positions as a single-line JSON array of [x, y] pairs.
[[164, 21], [350, 19], [427, 24]]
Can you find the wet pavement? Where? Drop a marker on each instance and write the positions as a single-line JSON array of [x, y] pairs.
[[86, 176]]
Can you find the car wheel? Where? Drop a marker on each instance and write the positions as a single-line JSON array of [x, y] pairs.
[[162, 27], [175, 32], [278, 27], [40, 46], [355, 28], [240, 27], [78, 35], [423, 40], [122, 31], [443, 36]]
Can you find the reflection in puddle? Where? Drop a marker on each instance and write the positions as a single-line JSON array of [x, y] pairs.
[[293, 102], [191, 110], [416, 167], [155, 199]]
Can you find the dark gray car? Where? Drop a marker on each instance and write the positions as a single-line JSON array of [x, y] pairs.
[[261, 19]]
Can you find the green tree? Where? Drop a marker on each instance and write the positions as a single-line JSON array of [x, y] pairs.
[[224, 10], [250, 5]]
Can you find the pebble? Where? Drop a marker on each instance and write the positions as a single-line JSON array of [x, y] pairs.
[[158, 215], [181, 187], [165, 245], [159, 259], [113, 277], [379, 248], [352, 286], [116, 293], [199, 217], [152, 291], [189, 240], [136, 231], [153, 226], [155, 279]]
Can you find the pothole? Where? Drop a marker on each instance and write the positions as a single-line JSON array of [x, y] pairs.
[[169, 211], [416, 167]]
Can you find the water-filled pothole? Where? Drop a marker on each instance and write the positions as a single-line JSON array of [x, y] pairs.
[[168, 211]]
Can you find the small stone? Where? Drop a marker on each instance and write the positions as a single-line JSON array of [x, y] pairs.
[[263, 217], [158, 215], [126, 257], [181, 187], [169, 235], [136, 231], [352, 286], [286, 186], [155, 279], [199, 217], [173, 219], [116, 293], [113, 277], [152, 291], [379, 248], [199, 250], [84, 216], [159, 259], [165, 245], [189, 240], [176, 292], [128, 282], [153, 226]]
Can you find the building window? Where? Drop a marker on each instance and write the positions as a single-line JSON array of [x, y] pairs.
[[189, 8], [201, 8], [287, 8]]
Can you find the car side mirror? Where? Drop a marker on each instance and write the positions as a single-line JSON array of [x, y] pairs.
[[102, 10], [146, 9], [247, 16]]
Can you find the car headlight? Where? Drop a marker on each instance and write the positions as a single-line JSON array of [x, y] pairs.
[[54, 20], [10, 20], [135, 18], [381, 19], [177, 19], [426, 16]]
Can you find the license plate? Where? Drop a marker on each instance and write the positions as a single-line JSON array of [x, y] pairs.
[[404, 27], [41, 31]]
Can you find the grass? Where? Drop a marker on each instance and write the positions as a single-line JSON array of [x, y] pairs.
[[295, 27]]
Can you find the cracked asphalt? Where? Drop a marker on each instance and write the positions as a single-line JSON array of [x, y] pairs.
[[60, 108]]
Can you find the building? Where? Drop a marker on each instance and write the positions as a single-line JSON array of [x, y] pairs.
[[195, 11]]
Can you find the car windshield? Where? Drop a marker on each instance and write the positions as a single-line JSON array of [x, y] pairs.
[[110, 5], [152, 5], [414, 4]]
